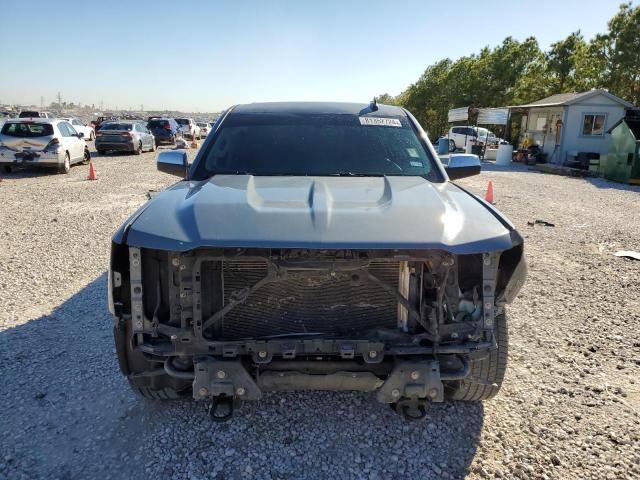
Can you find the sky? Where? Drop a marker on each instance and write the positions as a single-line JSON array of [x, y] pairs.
[[205, 55]]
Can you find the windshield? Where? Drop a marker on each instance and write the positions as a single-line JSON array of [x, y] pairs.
[[27, 129], [318, 144], [182, 121], [117, 126]]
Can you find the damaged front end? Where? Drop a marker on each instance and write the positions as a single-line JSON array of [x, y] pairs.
[[229, 324]]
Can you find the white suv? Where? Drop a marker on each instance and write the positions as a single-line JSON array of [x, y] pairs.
[[41, 142], [189, 128], [460, 136]]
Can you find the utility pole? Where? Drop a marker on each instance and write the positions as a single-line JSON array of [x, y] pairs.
[[41, 102], [59, 100], [141, 107]]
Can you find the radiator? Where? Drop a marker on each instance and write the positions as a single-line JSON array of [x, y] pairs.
[[306, 301]]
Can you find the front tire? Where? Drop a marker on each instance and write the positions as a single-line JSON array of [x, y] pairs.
[[151, 393], [452, 146], [87, 156], [133, 363], [138, 151], [487, 374], [66, 166]]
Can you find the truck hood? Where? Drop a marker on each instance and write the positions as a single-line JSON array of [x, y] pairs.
[[317, 212]]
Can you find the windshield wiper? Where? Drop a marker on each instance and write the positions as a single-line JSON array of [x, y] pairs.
[[232, 172], [352, 174], [296, 174]]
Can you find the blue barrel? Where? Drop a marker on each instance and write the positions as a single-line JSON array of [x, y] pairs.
[[443, 146]]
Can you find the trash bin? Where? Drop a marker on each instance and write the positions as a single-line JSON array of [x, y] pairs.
[[443, 146], [505, 152]]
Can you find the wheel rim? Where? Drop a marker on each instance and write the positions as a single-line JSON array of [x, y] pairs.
[[86, 156]]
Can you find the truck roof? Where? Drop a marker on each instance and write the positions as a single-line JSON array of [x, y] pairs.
[[320, 108]]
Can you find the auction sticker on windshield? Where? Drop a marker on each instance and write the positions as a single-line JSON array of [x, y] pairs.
[[384, 122]]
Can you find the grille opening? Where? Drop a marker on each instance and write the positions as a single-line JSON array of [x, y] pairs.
[[334, 303]]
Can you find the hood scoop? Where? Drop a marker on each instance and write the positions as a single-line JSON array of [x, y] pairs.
[[318, 198]]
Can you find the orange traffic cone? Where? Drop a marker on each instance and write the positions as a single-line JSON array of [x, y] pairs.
[[489, 195], [92, 172]]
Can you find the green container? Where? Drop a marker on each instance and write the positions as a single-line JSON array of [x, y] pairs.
[[622, 163]]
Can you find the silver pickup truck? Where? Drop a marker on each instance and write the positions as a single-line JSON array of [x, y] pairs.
[[315, 246]]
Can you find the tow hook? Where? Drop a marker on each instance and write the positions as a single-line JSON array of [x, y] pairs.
[[226, 384], [410, 386], [221, 408], [411, 409]]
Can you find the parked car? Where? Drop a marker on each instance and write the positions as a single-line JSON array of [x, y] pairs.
[[124, 136], [34, 114], [102, 119], [165, 130], [461, 135], [204, 128], [80, 126], [41, 142], [189, 128], [332, 252]]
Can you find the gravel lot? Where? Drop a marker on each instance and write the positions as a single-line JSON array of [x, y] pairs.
[[570, 407]]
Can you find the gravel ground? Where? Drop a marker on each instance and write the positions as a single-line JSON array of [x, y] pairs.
[[569, 407]]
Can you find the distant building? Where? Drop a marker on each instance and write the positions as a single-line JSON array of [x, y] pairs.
[[567, 124]]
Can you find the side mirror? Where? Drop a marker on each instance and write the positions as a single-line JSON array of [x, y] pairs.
[[462, 165], [174, 163], [80, 135]]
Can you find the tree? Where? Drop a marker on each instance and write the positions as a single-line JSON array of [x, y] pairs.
[[519, 72], [561, 61], [386, 99], [619, 49]]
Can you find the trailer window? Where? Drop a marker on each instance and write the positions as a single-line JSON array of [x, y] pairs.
[[593, 124]]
